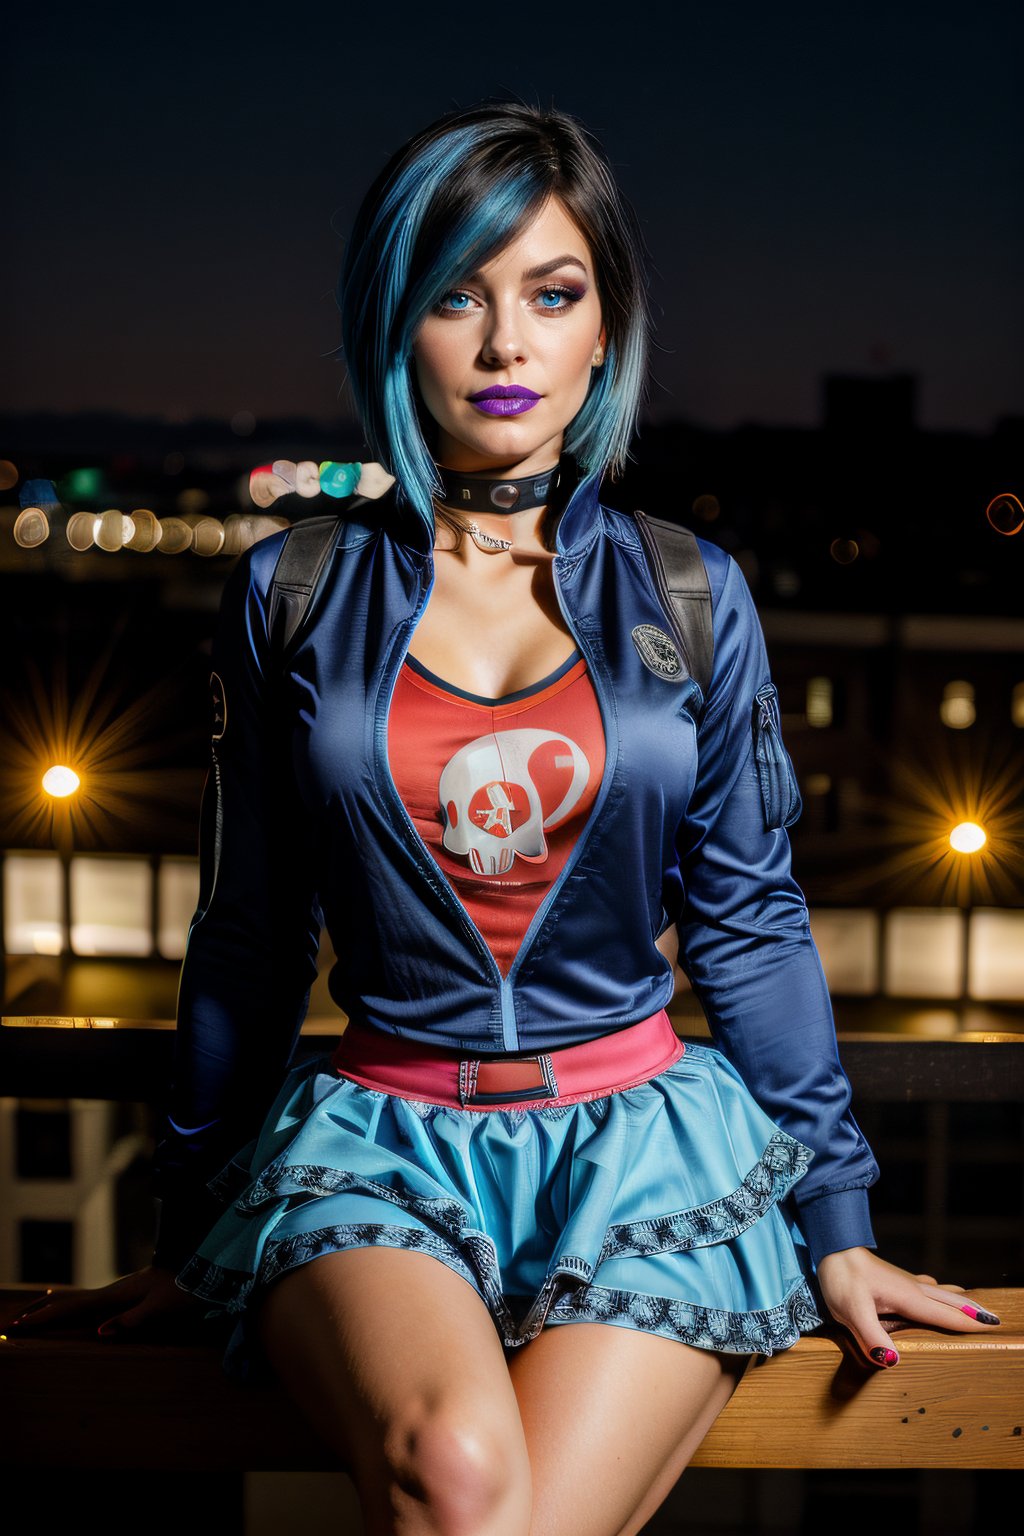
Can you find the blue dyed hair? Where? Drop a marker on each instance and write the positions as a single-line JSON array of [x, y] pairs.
[[447, 203]]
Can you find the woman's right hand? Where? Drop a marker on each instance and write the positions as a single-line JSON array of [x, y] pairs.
[[144, 1300]]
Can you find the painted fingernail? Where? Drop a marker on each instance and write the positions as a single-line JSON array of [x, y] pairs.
[[980, 1315], [885, 1356]]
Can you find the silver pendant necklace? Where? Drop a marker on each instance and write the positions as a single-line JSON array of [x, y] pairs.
[[487, 541]]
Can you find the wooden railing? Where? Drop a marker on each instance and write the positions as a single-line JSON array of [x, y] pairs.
[[74, 1401]]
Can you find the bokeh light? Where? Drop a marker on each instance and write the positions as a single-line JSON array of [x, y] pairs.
[[707, 508], [819, 702], [60, 781], [31, 527], [192, 499], [1006, 514], [83, 484], [968, 837], [957, 710]]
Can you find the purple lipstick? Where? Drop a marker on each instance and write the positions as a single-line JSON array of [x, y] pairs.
[[505, 400]]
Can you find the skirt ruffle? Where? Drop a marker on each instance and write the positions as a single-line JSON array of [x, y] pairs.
[[658, 1208]]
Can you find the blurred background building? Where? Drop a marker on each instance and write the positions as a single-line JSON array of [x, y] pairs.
[[886, 570]]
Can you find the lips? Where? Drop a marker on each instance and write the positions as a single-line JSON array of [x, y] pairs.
[[504, 400]]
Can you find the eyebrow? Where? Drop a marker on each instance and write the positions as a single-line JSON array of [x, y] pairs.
[[544, 270]]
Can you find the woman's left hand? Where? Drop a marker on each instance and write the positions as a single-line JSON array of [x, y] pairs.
[[859, 1288]]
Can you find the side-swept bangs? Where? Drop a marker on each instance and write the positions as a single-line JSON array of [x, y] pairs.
[[447, 203]]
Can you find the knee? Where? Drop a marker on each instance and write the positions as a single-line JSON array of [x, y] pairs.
[[457, 1462]]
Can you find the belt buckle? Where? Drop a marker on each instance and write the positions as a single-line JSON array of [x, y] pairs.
[[522, 1090]]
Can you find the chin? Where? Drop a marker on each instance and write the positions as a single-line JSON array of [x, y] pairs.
[[506, 442]]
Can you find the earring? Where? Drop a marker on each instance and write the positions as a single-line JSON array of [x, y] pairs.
[[598, 356]]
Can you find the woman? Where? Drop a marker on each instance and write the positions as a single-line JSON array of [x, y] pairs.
[[509, 813]]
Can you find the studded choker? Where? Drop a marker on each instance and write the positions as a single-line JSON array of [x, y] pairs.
[[468, 493]]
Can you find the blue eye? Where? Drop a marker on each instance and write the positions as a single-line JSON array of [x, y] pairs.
[[455, 301], [559, 300]]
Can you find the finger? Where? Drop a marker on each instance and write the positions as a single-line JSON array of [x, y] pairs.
[[50, 1309], [34, 1306], [979, 1314], [152, 1312], [871, 1338], [133, 1317], [951, 1296], [940, 1307]]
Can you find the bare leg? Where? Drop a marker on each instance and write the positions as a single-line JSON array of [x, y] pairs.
[[611, 1418], [396, 1362]]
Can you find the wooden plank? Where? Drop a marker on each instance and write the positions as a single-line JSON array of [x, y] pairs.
[[954, 1401], [73, 1401]]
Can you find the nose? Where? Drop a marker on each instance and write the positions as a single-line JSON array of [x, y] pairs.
[[504, 342]]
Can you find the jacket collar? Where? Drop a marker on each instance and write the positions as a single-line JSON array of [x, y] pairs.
[[580, 516]]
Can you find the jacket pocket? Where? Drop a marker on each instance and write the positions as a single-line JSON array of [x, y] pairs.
[[775, 774]]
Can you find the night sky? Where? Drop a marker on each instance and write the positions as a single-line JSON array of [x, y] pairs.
[[821, 190]]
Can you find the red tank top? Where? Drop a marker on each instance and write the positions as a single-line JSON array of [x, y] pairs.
[[499, 789]]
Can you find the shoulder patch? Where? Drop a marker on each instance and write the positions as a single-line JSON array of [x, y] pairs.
[[657, 651], [219, 702]]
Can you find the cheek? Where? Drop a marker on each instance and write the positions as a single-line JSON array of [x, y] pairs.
[[579, 370], [429, 370], [436, 364]]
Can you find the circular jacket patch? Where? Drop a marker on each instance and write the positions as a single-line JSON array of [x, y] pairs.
[[220, 706], [657, 651]]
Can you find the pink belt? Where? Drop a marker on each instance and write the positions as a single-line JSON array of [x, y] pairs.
[[436, 1074]]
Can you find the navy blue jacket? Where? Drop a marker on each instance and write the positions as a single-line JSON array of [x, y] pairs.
[[301, 825]]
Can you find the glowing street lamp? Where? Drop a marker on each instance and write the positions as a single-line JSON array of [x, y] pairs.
[[60, 781], [968, 837]]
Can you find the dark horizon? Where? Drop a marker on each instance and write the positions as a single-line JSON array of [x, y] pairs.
[[819, 194]]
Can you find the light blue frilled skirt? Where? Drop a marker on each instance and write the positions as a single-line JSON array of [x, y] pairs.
[[657, 1208]]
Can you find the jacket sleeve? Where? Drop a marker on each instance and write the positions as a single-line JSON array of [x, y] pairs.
[[744, 934], [250, 956]]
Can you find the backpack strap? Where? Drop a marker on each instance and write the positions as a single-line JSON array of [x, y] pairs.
[[299, 571], [681, 582]]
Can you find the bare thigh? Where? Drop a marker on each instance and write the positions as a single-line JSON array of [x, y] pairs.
[[395, 1360], [612, 1417]]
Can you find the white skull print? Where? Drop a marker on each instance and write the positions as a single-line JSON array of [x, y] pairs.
[[503, 791]]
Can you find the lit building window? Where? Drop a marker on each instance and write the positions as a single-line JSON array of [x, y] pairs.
[[847, 942], [1017, 705], [177, 898], [819, 702], [957, 708], [32, 904], [996, 962], [111, 906], [923, 952]]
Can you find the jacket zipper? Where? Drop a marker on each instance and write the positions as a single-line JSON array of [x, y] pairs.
[[611, 754], [436, 876], [431, 869]]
